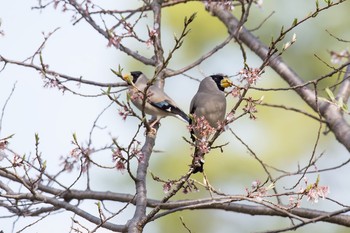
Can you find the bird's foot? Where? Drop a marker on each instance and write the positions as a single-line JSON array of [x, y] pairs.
[[152, 131], [152, 127], [155, 123]]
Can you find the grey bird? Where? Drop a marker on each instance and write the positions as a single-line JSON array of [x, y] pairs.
[[209, 102], [157, 103]]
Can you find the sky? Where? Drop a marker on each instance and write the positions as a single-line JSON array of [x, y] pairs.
[[54, 116], [77, 51]]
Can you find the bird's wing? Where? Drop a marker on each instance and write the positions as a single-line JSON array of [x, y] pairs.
[[159, 99]]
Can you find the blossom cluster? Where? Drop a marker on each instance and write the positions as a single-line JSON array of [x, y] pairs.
[[201, 132], [80, 154], [236, 92], [124, 112], [114, 40], [315, 191], [152, 35], [201, 127], [250, 108], [120, 159], [258, 191], [189, 186], [53, 83], [3, 146], [250, 75]]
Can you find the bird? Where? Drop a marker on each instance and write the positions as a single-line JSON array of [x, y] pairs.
[[157, 103], [209, 103]]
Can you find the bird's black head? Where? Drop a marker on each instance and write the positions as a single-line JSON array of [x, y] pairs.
[[135, 75], [218, 80]]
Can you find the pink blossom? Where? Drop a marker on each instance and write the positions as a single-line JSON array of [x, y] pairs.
[[3, 145], [114, 40], [259, 191], [250, 108], [230, 117], [256, 184], [152, 35], [250, 75], [53, 82], [203, 145], [316, 192], [17, 161], [236, 92], [118, 157], [167, 187], [124, 112], [203, 131], [201, 126], [294, 202], [120, 165]]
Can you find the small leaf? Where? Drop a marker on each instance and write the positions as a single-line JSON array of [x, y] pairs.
[[36, 138], [309, 187], [317, 179], [108, 90], [342, 105], [295, 22], [8, 137], [116, 73], [128, 96], [345, 107], [44, 165], [330, 94], [190, 20], [75, 138], [282, 30], [120, 69], [286, 46], [42, 62]]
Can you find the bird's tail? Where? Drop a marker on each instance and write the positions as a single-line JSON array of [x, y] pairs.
[[180, 114]]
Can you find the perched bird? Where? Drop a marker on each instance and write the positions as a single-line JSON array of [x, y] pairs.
[[209, 103], [157, 102]]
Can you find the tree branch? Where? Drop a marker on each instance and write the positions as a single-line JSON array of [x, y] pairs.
[[86, 15], [330, 112], [134, 225]]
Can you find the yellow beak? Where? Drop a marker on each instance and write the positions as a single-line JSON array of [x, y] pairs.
[[225, 82], [128, 77]]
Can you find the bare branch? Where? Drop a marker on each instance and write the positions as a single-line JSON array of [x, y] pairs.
[[331, 113], [5, 104]]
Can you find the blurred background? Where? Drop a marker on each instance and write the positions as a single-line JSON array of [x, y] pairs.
[[283, 139]]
